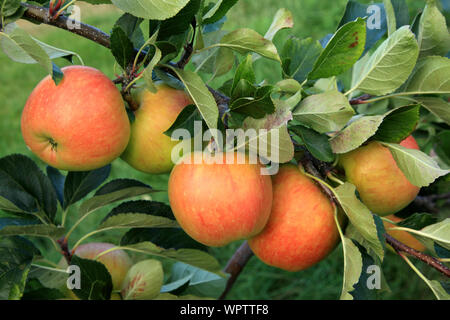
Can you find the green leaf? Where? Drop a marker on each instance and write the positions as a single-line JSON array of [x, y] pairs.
[[298, 57], [360, 217], [169, 296], [433, 37], [290, 86], [79, 184], [376, 25], [113, 191], [257, 106], [139, 214], [57, 180], [201, 96], [218, 11], [438, 106], [40, 230], [16, 255], [353, 265], [151, 9], [16, 16], [366, 248], [25, 188], [145, 207], [441, 252], [442, 146], [390, 16], [244, 71], [342, 51], [430, 76], [131, 26], [398, 124], [121, 47], [135, 220], [20, 55], [17, 44], [174, 238], [355, 134], [438, 233], [193, 257], [417, 221], [283, 19], [34, 290], [390, 65], [418, 168], [6, 222], [216, 61], [324, 112], [96, 282], [180, 22], [247, 40], [318, 144], [438, 289], [148, 71], [393, 126], [401, 13], [50, 278], [201, 283], [9, 7], [156, 58], [361, 291], [185, 120], [271, 134]]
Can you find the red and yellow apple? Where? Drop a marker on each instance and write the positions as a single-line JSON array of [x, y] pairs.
[[149, 149], [301, 230], [217, 203], [78, 125], [381, 184], [117, 262], [402, 236]]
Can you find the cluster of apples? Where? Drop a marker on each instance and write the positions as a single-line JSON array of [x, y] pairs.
[[81, 124]]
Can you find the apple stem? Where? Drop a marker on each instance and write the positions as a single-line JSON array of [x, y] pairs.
[[360, 100], [188, 48], [235, 266]]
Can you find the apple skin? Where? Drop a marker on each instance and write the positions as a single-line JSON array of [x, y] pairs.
[[219, 203], [402, 236], [381, 184], [79, 125], [118, 262], [301, 230], [149, 149]]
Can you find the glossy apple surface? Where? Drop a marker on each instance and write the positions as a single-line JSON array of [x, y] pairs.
[[220, 203], [79, 125], [301, 230], [381, 184]]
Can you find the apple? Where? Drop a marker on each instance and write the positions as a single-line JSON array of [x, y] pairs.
[[301, 230], [381, 184], [143, 281], [217, 203], [78, 125], [402, 236], [149, 149], [118, 262]]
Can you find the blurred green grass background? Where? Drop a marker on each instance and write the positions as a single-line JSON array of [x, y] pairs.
[[312, 18]]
